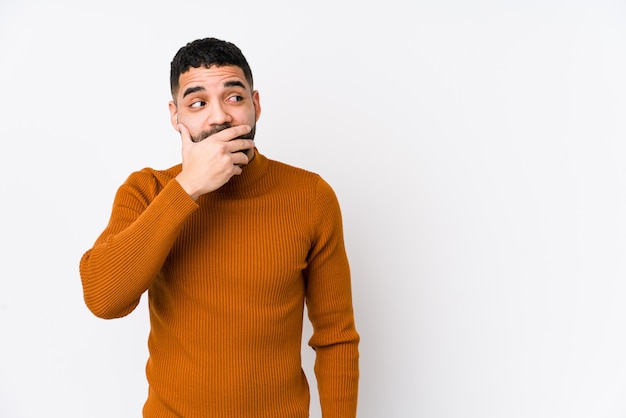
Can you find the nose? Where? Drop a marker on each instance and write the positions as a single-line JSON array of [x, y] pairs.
[[218, 114]]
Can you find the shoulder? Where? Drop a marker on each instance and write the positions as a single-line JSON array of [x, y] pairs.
[[152, 176], [305, 182], [296, 175], [148, 182]]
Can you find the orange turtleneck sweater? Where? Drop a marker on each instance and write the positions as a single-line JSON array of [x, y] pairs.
[[227, 278]]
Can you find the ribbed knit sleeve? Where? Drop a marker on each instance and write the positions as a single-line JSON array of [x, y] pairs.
[[329, 305], [145, 221]]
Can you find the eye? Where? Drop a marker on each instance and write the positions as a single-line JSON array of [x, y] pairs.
[[235, 98], [197, 104]]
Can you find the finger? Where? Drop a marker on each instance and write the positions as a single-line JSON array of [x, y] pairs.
[[241, 145], [240, 158], [231, 133]]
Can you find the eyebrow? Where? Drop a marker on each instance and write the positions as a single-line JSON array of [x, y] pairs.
[[234, 83], [193, 90], [231, 83]]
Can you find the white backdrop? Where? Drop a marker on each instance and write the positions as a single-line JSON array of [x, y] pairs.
[[476, 147]]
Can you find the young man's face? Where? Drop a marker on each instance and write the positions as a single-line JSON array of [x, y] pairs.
[[209, 100]]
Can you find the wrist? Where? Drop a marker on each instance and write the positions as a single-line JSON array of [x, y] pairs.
[[188, 187]]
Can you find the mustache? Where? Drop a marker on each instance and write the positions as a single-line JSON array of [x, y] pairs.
[[218, 128]]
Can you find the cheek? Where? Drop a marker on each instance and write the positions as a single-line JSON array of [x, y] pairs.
[[252, 116], [192, 122]]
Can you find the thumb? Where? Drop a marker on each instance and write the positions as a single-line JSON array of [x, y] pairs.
[[185, 136]]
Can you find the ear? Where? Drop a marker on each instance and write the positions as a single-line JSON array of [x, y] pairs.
[[257, 104], [173, 114]]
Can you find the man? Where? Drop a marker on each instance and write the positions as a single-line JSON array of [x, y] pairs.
[[229, 246]]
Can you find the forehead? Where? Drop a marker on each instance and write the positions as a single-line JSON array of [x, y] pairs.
[[210, 78]]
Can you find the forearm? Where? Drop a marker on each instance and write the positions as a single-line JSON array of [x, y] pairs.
[[336, 344], [129, 254], [335, 338], [337, 374]]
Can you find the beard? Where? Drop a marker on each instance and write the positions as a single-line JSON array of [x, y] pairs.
[[218, 128]]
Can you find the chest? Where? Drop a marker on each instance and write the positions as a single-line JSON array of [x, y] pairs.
[[250, 248]]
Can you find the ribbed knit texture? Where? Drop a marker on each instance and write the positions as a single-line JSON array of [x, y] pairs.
[[227, 278]]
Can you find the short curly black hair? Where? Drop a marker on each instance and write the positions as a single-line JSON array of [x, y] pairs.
[[207, 52]]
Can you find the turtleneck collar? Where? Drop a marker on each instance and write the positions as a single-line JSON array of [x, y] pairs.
[[249, 176]]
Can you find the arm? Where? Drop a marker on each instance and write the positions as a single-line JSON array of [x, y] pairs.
[[129, 253], [146, 221], [329, 304]]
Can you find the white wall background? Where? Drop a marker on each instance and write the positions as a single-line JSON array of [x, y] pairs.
[[477, 149]]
